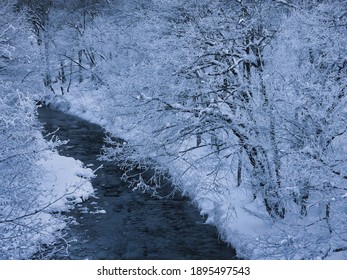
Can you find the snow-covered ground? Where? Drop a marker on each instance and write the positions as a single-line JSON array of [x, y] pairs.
[[66, 182], [61, 183]]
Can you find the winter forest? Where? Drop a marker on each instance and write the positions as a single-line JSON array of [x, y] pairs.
[[238, 104]]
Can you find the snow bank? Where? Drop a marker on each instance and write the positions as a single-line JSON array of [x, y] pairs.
[[66, 182], [37, 224]]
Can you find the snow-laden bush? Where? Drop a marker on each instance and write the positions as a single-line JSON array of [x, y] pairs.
[[31, 187], [22, 222]]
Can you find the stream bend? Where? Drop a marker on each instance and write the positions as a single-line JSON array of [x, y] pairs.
[[135, 225]]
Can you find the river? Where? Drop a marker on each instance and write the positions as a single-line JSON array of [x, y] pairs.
[[135, 225]]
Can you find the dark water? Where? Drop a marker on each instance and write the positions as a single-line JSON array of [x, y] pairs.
[[136, 225]]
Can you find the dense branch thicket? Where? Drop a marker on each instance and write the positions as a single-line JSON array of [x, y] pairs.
[[258, 106], [239, 102]]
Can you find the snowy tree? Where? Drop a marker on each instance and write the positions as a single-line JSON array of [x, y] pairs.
[[18, 59], [59, 28], [233, 105], [220, 99], [308, 68]]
